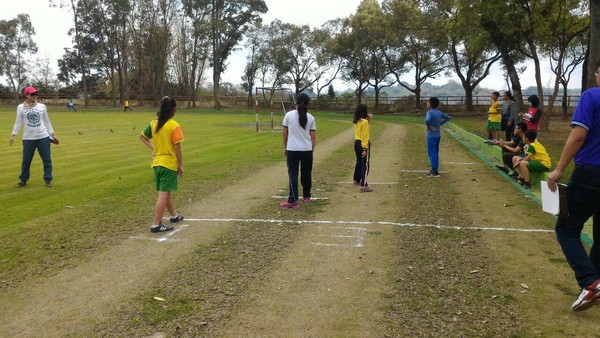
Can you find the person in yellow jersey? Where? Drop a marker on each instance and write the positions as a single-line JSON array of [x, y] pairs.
[[164, 136], [536, 159], [494, 123], [126, 105], [362, 147]]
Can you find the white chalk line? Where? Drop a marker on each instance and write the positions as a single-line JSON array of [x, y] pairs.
[[371, 183], [358, 242], [460, 163], [408, 225], [419, 171], [312, 198]]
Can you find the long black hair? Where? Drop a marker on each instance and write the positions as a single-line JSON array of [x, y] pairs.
[[166, 112], [534, 100], [361, 112], [302, 101]]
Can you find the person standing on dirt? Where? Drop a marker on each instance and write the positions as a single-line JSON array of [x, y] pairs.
[[507, 112], [164, 136], [362, 147], [583, 196], [434, 119], [534, 113], [37, 134], [299, 132]]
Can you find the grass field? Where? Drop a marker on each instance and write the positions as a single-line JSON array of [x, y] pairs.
[[103, 183]]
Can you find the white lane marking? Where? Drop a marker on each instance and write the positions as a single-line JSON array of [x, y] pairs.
[[408, 225], [371, 183], [312, 198]]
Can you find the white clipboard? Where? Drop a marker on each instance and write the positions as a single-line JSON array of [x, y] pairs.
[[551, 200]]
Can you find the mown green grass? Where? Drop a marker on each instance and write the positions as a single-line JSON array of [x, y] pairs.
[[103, 183]]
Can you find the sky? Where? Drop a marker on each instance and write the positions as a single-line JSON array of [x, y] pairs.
[[52, 24]]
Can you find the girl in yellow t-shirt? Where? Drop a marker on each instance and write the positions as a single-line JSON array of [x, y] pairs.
[[164, 136]]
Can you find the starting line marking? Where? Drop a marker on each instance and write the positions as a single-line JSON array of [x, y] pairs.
[[371, 183], [312, 198], [407, 225]]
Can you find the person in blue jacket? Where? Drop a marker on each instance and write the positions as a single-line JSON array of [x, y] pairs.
[[434, 119]]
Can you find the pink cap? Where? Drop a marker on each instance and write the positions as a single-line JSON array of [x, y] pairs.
[[29, 90]]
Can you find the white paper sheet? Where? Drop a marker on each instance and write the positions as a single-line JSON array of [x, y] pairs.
[[550, 200]]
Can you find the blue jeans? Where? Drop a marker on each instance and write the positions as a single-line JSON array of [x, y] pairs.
[[304, 161], [43, 148], [583, 195], [433, 149]]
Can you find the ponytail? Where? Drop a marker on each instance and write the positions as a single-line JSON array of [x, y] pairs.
[[302, 101], [166, 112]]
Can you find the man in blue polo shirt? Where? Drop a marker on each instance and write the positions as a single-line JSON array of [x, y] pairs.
[[583, 195]]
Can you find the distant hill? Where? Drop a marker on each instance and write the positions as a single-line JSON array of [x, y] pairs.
[[454, 88]]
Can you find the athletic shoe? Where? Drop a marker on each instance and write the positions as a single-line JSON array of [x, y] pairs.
[[527, 185], [502, 168], [48, 183], [176, 219], [20, 185], [521, 180], [161, 228], [290, 205], [588, 296], [514, 174], [365, 189], [433, 174], [355, 183], [306, 199]]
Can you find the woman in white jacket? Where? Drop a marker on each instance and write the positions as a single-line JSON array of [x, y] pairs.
[[37, 134]]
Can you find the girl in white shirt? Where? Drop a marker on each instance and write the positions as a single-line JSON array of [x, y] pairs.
[[299, 129]]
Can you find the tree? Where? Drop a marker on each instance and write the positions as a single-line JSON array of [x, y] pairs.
[[229, 21], [593, 60], [16, 42], [373, 29], [331, 92], [257, 44], [421, 44], [502, 22], [471, 50], [569, 27], [197, 47]]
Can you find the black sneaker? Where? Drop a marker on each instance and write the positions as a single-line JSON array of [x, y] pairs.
[[20, 185], [161, 228], [514, 174], [176, 219], [527, 185], [433, 174], [504, 169]]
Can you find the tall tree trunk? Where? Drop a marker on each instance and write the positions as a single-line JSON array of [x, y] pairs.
[[594, 49]]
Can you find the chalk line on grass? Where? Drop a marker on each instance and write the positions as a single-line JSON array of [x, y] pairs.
[[407, 225], [371, 183]]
